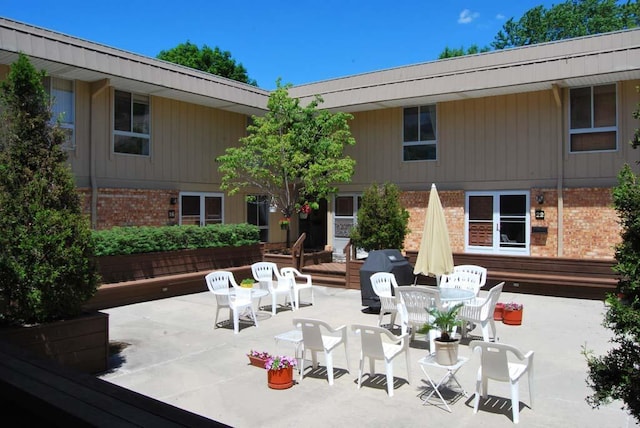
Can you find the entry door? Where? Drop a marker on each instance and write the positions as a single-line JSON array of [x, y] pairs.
[[497, 222], [345, 217], [201, 208]]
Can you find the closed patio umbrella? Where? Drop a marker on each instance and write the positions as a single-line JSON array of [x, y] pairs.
[[434, 255]]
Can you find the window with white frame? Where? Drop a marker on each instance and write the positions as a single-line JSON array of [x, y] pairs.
[[419, 133], [62, 93], [593, 118], [258, 214], [497, 222], [131, 123]]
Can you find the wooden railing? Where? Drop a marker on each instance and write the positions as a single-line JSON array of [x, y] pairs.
[[297, 252]]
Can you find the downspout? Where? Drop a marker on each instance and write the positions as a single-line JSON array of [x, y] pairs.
[[557, 94], [96, 89]]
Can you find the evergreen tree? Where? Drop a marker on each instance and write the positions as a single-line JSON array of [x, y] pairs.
[[382, 220], [46, 265]]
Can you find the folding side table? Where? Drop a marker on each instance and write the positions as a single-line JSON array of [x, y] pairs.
[[450, 375], [295, 337]]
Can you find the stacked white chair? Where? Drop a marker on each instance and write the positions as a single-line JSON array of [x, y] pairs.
[[384, 285], [269, 278], [299, 282]]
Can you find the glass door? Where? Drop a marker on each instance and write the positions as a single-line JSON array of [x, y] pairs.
[[497, 222], [345, 217]]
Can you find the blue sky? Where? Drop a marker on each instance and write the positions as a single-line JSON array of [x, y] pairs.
[[300, 41]]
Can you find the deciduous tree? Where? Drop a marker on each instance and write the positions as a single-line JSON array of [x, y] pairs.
[[214, 61], [294, 153]]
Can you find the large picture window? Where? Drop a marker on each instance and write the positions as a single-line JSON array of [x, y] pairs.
[[497, 222], [131, 123], [419, 133], [62, 93], [593, 118]]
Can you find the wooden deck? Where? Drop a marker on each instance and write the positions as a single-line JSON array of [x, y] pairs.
[[328, 274]]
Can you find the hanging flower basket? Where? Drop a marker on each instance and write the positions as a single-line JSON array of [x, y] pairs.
[[284, 224]]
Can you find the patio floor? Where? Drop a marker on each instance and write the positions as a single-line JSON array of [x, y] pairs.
[[170, 351]]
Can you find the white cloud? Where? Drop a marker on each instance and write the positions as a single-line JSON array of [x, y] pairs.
[[500, 17], [466, 16]]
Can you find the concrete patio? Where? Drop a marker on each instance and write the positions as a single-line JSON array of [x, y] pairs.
[[171, 352]]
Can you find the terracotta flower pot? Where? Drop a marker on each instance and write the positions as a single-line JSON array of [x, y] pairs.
[[512, 317], [280, 379], [258, 362], [498, 311]]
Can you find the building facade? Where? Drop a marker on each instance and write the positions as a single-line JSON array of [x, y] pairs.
[[524, 145]]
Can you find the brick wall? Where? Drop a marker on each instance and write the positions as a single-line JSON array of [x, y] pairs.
[[591, 227], [131, 207]]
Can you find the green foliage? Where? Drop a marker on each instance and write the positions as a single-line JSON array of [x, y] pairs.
[[471, 50], [291, 154], [445, 320], [616, 375], [382, 220], [145, 239], [214, 61], [572, 18], [46, 263]]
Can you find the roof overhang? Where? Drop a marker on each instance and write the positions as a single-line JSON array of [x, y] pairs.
[[584, 61], [73, 58]]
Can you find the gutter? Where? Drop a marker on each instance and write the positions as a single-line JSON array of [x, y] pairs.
[[96, 89]]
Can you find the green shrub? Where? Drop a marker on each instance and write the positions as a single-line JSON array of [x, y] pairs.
[[132, 240], [46, 264], [382, 220]]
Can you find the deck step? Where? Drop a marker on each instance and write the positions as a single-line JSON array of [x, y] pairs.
[[329, 280]]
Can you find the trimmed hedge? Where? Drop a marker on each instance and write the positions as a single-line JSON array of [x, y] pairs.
[[147, 239]]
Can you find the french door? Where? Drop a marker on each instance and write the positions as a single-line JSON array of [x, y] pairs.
[[497, 222], [201, 209]]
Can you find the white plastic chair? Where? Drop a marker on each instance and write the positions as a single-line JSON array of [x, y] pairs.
[[268, 276], [384, 285], [300, 282], [380, 344], [478, 271], [318, 336], [417, 300], [461, 279], [240, 301], [496, 364], [480, 311], [220, 280]]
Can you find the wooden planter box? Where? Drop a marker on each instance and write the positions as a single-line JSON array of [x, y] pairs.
[[138, 278], [81, 343]]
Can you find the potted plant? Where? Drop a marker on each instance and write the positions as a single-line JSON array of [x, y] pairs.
[[247, 283], [512, 313], [446, 321], [258, 358], [284, 224], [280, 371]]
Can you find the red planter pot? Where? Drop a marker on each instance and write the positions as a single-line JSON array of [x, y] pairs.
[[498, 311], [258, 362], [511, 317], [280, 379]]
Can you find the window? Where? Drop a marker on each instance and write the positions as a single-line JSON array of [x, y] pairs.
[[62, 95], [497, 222], [593, 124], [201, 209], [258, 214], [131, 123], [420, 137]]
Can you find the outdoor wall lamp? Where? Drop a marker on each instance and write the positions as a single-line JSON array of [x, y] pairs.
[[173, 201], [540, 198]]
